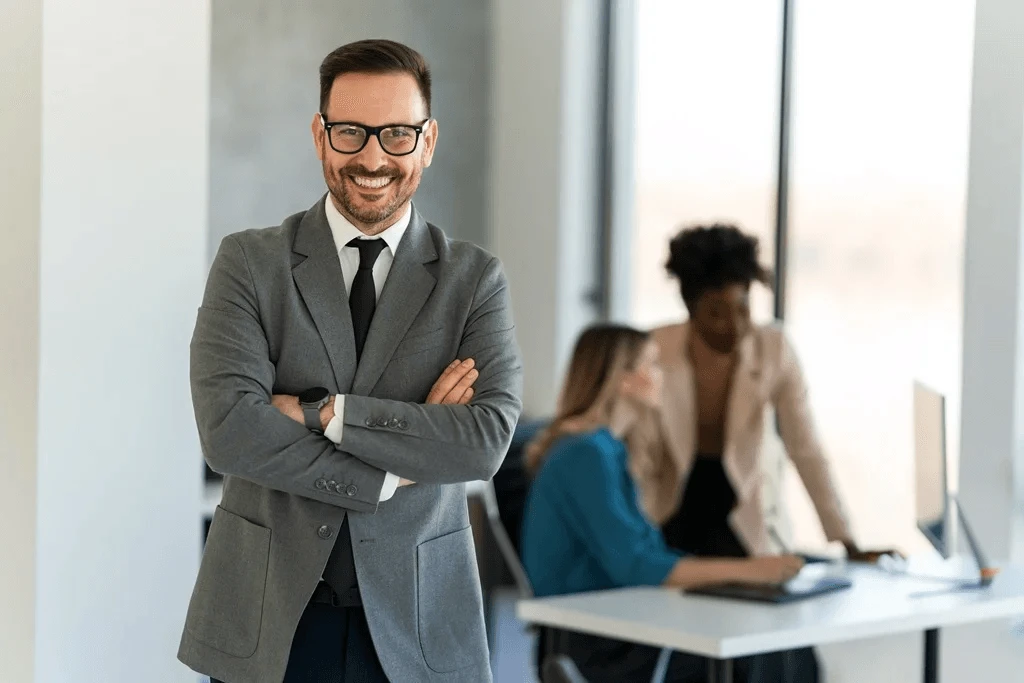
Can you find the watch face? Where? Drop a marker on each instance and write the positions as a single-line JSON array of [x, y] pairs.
[[314, 395]]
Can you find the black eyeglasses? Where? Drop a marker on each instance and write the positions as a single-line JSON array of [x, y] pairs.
[[350, 138]]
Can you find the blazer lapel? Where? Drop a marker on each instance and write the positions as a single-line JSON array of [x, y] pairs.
[[321, 285], [406, 290], [744, 400], [681, 424]]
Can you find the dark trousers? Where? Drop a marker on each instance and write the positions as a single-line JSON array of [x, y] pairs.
[[332, 645]]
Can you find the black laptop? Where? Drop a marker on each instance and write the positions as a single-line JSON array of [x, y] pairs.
[[807, 584]]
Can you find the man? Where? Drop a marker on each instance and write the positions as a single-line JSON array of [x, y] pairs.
[[314, 362]]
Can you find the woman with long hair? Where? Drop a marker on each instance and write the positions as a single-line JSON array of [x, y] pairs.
[[583, 528]]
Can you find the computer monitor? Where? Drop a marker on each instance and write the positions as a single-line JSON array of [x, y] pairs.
[[931, 487]]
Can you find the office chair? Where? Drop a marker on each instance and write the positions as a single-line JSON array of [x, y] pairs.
[[561, 669], [504, 542]]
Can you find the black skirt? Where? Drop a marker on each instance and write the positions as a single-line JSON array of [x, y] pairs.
[[701, 525]]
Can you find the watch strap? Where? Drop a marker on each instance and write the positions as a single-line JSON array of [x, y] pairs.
[[311, 415]]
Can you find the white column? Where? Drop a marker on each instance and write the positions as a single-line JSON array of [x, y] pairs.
[[20, 106], [991, 468], [992, 442], [109, 254], [545, 173]]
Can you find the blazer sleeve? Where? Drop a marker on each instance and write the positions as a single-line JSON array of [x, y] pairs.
[[796, 427], [595, 501], [232, 380], [443, 444]]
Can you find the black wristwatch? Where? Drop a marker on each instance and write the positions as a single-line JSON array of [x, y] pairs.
[[312, 400]]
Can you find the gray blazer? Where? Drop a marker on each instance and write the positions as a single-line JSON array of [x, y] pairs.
[[274, 320]]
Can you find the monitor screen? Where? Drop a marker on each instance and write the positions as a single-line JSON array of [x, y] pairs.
[[930, 463]]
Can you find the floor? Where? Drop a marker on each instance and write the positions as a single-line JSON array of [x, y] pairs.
[[513, 645]]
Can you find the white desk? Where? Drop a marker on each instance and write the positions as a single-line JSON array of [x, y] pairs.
[[878, 604]]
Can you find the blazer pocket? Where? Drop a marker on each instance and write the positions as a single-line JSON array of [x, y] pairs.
[[450, 619], [226, 612], [410, 346]]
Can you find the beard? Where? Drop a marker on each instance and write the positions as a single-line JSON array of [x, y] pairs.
[[363, 204]]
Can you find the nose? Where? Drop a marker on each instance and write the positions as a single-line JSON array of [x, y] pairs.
[[372, 156]]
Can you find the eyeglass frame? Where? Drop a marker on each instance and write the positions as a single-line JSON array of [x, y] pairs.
[[374, 132]]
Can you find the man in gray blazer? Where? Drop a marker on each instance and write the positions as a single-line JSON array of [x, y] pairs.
[[351, 369]]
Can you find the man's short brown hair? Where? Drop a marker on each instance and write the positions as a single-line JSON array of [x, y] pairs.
[[376, 56]]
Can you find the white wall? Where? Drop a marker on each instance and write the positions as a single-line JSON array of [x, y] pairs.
[[543, 198], [120, 222], [992, 421], [992, 441], [20, 87]]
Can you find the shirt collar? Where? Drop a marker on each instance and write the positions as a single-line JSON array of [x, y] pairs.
[[343, 231]]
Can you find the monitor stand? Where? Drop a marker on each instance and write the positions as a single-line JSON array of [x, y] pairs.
[[955, 524], [986, 572]]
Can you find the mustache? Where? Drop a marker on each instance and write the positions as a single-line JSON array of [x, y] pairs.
[[360, 170]]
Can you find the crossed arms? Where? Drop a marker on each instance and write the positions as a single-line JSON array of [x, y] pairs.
[[244, 435]]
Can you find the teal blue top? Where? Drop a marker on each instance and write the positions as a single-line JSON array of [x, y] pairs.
[[583, 529]]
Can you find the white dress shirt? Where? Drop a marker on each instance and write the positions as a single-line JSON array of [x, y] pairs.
[[343, 232]]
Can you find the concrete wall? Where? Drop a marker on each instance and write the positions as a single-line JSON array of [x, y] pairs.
[[265, 90], [103, 165], [545, 178]]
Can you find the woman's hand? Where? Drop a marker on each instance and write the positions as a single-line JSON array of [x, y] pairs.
[[855, 554], [694, 572], [770, 570]]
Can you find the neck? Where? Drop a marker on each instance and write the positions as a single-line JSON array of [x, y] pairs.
[[702, 354], [370, 229]]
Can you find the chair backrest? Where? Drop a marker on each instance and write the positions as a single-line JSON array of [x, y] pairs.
[[501, 537], [561, 669]]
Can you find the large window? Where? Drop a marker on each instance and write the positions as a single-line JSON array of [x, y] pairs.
[[707, 102], [881, 100]]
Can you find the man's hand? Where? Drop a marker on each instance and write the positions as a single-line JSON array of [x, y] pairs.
[[455, 385], [289, 405]]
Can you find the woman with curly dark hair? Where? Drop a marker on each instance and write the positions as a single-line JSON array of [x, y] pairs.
[[704, 479]]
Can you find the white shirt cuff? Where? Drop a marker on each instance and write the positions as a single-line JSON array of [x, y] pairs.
[[389, 487], [336, 426]]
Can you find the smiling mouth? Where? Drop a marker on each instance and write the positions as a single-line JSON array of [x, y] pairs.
[[371, 183]]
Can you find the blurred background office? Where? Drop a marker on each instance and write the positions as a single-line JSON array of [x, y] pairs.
[[876, 148]]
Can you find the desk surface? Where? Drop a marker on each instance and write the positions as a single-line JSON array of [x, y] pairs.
[[878, 604]]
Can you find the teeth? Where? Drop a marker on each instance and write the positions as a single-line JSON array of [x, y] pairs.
[[372, 183]]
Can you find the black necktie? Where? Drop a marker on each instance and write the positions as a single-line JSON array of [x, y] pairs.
[[363, 297], [340, 572]]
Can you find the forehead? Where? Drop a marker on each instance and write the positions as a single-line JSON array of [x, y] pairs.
[[735, 293], [376, 99]]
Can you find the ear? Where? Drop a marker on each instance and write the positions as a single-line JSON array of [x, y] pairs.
[[429, 141], [317, 128]]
